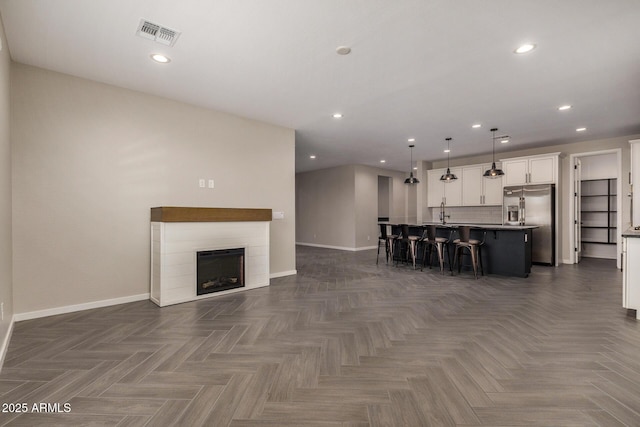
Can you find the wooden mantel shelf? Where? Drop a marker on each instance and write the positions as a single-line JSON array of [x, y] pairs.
[[186, 214]]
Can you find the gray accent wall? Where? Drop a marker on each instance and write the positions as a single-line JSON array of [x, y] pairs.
[[90, 160], [383, 196]]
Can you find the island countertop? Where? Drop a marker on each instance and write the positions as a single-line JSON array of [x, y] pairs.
[[483, 226]]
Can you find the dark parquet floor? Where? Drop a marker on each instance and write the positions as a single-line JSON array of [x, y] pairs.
[[343, 343]]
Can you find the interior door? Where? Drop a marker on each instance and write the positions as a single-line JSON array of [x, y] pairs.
[[577, 223]]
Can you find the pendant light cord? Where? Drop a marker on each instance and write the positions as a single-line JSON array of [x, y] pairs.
[[411, 163], [493, 140]]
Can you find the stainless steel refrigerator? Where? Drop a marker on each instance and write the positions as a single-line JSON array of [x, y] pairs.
[[533, 205]]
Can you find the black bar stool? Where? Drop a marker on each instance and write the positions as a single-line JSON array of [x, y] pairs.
[[383, 238], [407, 244], [391, 241], [431, 241], [472, 245]]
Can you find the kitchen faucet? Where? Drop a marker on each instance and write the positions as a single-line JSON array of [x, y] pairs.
[[442, 214]]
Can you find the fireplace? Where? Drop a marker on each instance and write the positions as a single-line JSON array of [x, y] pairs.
[[219, 270], [178, 233]]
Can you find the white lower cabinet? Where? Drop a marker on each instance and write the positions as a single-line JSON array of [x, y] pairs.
[[635, 181], [631, 274], [478, 190]]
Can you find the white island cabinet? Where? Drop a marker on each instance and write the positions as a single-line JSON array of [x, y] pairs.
[[631, 271]]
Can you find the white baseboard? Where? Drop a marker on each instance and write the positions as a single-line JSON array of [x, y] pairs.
[[78, 307], [315, 245], [5, 343], [283, 273], [567, 261], [340, 248], [598, 256]]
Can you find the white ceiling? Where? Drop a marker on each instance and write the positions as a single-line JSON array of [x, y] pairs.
[[427, 69]]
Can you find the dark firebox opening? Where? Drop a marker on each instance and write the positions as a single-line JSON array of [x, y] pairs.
[[220, 270]]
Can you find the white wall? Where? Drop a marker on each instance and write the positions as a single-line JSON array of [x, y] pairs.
[[325, 207], [90, 160], [366, 197], [366, 204], [338, 207], [6, 287], [602, 166]]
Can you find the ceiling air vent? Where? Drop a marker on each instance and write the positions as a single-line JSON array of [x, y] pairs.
[[157, 33]]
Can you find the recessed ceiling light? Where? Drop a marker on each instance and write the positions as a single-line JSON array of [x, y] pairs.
[[337, 115], [447, 150], [525, 48], [476, 126], [581, 129], [343, 50], [564, 107], [415, 168], [383, 161], [504, 141], [312, 156], [411, 140], [158, 57]]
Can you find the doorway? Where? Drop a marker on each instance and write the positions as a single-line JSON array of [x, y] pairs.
[[596, 205]]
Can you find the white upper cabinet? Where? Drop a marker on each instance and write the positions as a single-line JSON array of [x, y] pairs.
[[515, 171], [438, 192], [492, 189], [478, 190], [472, 185], [473, 189], [531, 170]]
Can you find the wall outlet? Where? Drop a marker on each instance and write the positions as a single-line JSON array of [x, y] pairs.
[[211, 183], [368, 237], [201, 182]]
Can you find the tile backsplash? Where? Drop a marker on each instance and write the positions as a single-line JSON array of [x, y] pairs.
[[470, 214]]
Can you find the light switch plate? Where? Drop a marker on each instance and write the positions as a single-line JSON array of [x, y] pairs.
[[201, 182], [211, 183], [277, 215]]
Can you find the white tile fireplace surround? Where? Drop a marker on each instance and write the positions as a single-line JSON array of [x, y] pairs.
[[178, 233]]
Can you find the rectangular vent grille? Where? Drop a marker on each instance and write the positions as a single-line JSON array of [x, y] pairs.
[[157, 33]]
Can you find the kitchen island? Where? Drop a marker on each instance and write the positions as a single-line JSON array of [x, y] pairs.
[[506, 250]]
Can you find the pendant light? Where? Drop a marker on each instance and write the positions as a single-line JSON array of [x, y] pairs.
[[411, 179], [494, 172], [448, 176]]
